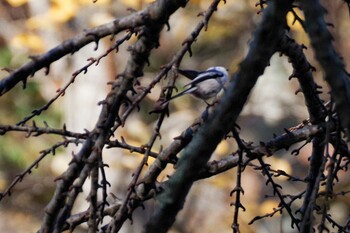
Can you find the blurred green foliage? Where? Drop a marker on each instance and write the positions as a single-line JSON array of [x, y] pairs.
[[15, 106]]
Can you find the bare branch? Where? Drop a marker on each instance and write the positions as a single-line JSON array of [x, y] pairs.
[[203, 144], [137, 19], [336, 75]]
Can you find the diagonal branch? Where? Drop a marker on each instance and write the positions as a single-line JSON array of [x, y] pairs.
[[37, 131], [296, 134], [335, 73], [303, 72], [198, 152], [137, 19], [158, 14]]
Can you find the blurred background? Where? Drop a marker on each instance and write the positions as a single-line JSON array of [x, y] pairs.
[[32, 27]]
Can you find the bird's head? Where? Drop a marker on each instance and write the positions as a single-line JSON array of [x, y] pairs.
[[221, 69]]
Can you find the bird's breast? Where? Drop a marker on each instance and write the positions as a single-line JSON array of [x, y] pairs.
[[207, 89]]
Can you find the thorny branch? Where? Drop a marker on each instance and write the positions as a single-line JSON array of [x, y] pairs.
[[277, 191], [336, 74], [92, 148], [62, 91], [324, 127], [198, 152], [35, 164], [238, 190], [296, 134], [35, 131], [71, 46]]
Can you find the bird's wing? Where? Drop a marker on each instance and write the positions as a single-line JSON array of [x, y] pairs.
[[190, 74], [211, 74], [187, 91]]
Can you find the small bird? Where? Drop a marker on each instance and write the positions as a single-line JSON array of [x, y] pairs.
[[204, 84]]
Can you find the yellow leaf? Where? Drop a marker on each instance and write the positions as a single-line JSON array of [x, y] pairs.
[[89, 2], [100, 18], [28, 41], [62, 11], [39, 22], [223, 148], [290, 19], [3, 183], [17, 3], [280, 164], [300, 36], [136, 4], [268, 206], [197, 2]]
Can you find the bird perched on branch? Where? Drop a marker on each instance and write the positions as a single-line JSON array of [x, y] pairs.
[[205, 84]]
